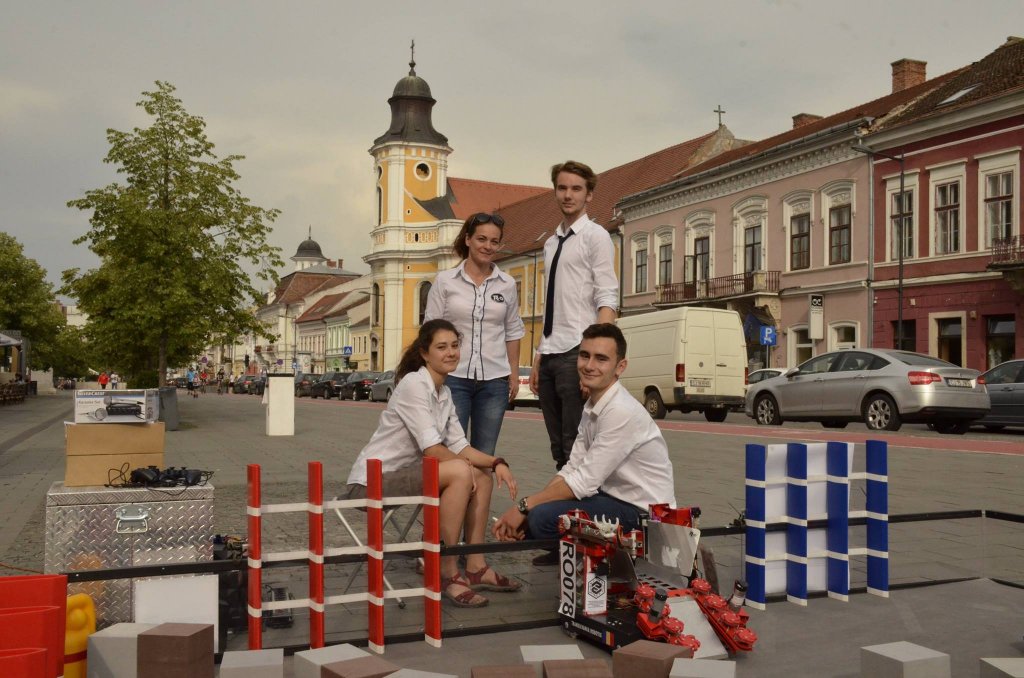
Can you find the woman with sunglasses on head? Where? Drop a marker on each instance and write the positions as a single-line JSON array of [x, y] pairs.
[[420, 421], [481, 301]]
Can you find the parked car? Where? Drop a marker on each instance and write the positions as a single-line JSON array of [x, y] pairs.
[[257, 385], [242, 382], [760, 375], [357, 386], [303, 384], [881, 387], [179, 382], [525, 395], [382, 389], [1005, 384], [327, 386]]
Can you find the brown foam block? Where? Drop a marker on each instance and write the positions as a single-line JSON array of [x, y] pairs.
[[577, 668], [361, 667], [647, 658], [505, 671], [185, 648]]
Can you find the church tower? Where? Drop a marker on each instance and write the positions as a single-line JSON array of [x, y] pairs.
[[411, 174]]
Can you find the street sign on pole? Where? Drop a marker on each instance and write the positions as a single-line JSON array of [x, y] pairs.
[[346, 350], [769, 337]]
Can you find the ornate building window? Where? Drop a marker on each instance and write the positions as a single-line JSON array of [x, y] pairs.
[[797, 220], [947, 183], [837, 202], [638, 245], [901, 215], [999, 202], [664, 239], [698, 233], [749, 217], [421, 312]]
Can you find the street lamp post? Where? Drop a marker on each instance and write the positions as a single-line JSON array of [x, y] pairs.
[[861, 148]]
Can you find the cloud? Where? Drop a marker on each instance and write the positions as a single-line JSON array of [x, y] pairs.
[[19, 101]]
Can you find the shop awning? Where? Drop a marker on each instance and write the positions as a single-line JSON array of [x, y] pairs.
[[9, 341]]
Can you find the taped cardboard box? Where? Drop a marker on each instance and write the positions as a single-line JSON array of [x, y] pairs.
[[130, 406], [96, 454]]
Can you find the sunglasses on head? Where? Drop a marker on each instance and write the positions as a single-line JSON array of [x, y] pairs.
[[485, 218]]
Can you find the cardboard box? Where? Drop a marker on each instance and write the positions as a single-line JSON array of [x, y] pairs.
[[95, 454], [129, 406], [361, 667], [647, 658]]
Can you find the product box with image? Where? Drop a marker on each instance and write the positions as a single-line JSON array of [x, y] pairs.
[[129, 406]]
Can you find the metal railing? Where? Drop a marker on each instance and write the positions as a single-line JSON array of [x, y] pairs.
[[720, 287], [1008, 251]]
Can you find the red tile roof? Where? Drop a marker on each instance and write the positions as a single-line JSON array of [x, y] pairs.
[[527, 220], [872, 109], [1000, 72], [294, 287], [320, 309], [469, 196]]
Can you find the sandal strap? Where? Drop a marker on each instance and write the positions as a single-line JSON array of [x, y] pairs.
[[477, 577]]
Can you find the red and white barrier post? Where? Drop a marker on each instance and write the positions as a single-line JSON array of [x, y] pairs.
[[375, 553], [316, 554], [253, 512], [431, 553]]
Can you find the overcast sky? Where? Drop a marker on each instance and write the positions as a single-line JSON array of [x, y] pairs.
[[301, 89]]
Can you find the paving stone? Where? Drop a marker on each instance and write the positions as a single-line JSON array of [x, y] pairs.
[[995, 667], [903, 660], [252, 664]]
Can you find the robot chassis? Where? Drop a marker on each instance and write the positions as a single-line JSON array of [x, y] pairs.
[[615, 586]]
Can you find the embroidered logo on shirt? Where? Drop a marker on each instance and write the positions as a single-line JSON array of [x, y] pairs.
[[498, 298]]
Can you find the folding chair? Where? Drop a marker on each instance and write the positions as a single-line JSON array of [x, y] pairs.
[[390, 516]]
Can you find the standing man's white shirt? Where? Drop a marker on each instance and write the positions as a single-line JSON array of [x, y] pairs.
[[492, 311], [585, 281], [418, 416], [620, 450]]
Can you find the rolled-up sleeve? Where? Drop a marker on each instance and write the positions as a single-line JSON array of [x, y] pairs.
[[435, 300], [588, 468], [606, 284], [413, 408], [455, 437], [514, 327]]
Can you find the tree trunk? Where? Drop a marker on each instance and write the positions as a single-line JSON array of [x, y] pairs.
[[162, 362]]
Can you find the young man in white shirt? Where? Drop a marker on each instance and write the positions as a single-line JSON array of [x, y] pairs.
[[619, 464], [581, 289]]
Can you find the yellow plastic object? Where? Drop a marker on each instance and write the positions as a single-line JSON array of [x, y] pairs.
[[81, 623]]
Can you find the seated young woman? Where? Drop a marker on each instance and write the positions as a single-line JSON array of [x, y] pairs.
[[420, 420]]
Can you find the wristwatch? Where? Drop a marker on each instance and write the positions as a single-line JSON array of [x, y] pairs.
[[523, 508]]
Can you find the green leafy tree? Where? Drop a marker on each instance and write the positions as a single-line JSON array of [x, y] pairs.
[[172, 242], [27, 303]]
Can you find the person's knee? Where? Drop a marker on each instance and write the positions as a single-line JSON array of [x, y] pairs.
[[457, 473]]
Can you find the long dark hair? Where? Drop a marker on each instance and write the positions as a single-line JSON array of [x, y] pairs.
[[469, 227], [412, 359]]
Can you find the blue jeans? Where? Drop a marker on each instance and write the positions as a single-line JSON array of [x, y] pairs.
[[542, 521], [481, 406]]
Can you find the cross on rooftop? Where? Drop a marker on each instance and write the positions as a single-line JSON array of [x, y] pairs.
[[720, 112], [412, 58]]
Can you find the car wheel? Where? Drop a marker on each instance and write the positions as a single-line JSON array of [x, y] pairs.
[[654, 405], [831, 423], [994, 427], [881, 414], [953, 427], [766, 411], [716, 415], [355, 394]]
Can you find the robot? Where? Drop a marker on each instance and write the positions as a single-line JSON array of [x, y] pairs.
[[618, 587]]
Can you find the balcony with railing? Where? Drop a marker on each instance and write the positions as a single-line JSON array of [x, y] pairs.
[[1007, 253], [722, 287]]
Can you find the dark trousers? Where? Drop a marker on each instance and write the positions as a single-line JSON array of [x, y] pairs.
[[560, 401], [542, 521]]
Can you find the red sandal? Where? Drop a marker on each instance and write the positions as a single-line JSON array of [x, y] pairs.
[[468, 598], [501, 582]]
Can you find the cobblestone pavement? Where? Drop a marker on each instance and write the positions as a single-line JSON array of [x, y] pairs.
[[927, 473]]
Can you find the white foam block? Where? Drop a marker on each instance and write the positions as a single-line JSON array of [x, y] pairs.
[[1000, 667], [253, 664], [183, 600], [307, 664], [903, 660], [702, 668], [114, 651]]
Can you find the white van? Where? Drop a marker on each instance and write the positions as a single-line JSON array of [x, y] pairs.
[[687, 359]]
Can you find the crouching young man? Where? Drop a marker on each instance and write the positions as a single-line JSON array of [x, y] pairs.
[[619, 463]]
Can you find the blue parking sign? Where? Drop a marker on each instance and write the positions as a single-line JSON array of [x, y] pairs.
[[769, 337]]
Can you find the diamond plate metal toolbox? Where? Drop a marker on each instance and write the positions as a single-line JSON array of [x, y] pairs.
[[90, 528]]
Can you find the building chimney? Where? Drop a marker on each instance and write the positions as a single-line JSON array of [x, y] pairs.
[[801, 119], [907, 73]]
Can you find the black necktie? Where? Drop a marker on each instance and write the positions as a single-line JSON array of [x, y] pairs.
[[549, 302]]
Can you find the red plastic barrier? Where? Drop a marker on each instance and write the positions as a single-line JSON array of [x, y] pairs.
[[39, 590], [32, 627], [23, 663]]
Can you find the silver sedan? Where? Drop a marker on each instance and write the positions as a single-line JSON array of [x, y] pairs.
[[881, 387]]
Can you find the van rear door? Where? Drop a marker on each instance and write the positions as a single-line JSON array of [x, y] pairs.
[[700, 354], [731, 355]]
